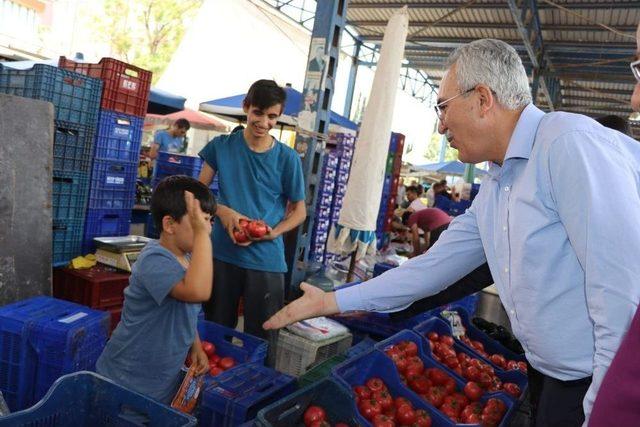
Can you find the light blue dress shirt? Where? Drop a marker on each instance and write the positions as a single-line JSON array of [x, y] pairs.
[[559, 225]]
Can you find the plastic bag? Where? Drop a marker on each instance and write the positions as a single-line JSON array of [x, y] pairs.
[[187, 397], [318, 329]]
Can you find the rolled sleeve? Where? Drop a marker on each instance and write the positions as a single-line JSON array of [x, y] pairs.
[[159, 273]]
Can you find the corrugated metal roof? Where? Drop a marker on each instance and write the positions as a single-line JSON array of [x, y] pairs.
[[591, 62]]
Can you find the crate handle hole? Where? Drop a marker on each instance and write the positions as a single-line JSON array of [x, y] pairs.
[[134, 415], [123, 122], [131, 72]]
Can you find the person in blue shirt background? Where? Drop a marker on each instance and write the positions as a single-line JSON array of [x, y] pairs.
[[170, 140], [556, 219], [258, 177], [169, 281]]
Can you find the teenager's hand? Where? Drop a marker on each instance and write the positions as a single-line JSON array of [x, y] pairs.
[[230, 220], [200, 221], [200, 360], [272, 234], [315, 302]]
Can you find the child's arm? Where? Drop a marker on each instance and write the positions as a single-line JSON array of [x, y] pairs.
[[198, 357], [197, 282]]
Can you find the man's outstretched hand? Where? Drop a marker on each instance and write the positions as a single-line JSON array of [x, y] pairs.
[[315, 302]]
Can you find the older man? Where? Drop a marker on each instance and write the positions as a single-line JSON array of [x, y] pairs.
[[564, 263], [618, 400]]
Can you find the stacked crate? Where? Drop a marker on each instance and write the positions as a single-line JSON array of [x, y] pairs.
[[76, 99], [119, 134], [389, 188], [332, 187]]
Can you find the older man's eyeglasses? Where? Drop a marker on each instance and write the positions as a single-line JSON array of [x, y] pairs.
[[441, 106], [635, 68]]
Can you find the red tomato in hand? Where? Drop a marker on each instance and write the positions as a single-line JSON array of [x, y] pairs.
[[240, 236], [227, 363], [257, 229], [243, 223], [215, 371], [375, 384], [313, 414], [208, 348], [215, 359], [472, 391]]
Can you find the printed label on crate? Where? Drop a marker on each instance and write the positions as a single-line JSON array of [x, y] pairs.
[[456, 323], [127, 84], [120, 132], [73, 317], [115, 180]]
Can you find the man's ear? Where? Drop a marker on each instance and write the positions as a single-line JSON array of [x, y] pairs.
[[487, 98]]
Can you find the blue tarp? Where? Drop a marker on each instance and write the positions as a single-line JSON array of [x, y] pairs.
[[162, 102], [232, 107], [453, 167]]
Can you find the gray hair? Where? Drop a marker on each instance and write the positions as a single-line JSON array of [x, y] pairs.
[[495, 64]]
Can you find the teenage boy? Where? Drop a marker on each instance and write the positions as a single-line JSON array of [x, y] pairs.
[[257, 177], [169, 281]]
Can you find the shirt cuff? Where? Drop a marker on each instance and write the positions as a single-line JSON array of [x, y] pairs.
[[349, 299]]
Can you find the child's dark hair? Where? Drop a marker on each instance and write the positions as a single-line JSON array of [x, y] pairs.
[[183, 124], [264, 94], [168, 198]]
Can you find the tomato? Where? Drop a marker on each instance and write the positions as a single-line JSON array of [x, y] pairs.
[[227, 363], [257, 229], [240, 236], [512, 365], [208, 348], [215, 371], [422, 419], [446, 340], [458, 400], [478, 345], [485, 380], [498, 360], [400, 361], [362, 392], [399, 401], [405, 415], [449, 411], [369, 408], [382, 420], [411, 349], [471, 373], [451, 362], [472, 391], [212, 364], [375, 384], [312, 414], [474, 408], [449, 385], [433, 336], [391, 412], [522, 366], [414, 371], [512, 389], [435, 396], [497, 404], [414, 363], [490, 419], [215, 359], [319, 424], [420, 384], [437, 376], [471, 419], [384, 398]]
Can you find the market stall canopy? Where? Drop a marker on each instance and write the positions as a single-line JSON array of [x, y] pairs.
[[231, 108], [197, 120], [355, 231], [453, 167], [163, 102]]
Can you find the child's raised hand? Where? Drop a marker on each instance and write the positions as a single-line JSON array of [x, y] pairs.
[[200, 221]]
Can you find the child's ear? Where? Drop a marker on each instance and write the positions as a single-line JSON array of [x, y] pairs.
[[167, 224]]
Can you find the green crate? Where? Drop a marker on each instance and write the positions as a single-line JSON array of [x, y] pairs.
[[320, 371]]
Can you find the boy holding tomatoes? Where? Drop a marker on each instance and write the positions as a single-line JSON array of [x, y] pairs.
[[258, 177], [169, 281]]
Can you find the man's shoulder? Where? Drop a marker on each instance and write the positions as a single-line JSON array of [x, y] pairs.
[[561, 124]]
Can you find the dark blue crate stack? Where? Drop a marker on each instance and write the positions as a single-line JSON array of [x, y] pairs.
[[345, 148], [389, 188], [113, 176], [326, 189], [42, 339], [168, 164], [76, 99]]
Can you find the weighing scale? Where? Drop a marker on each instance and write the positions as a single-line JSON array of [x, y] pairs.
[[119, 252]]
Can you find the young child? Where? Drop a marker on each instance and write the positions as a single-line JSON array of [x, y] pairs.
[[169, 280]]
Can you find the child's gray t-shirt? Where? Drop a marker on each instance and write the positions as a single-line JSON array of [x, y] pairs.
[[148, 347]]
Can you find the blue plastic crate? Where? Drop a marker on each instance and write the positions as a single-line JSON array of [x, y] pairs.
[[15, 379], [334, 397], [104, 223], [67, 240], [381, 267], [72, 147], [374, 363], [168, 164], [242, 347], [87, 399], [70, 191], [363, 346], [441, 327], [458, 208], [237, 395], [69, 340], [113, 185], [75, 97], [118, 137]]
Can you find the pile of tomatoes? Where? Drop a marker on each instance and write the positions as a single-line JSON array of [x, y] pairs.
[[497, 359], [217, 363], [316, 416], [250, 229], [376, 404], [468, 367], [440, 389]]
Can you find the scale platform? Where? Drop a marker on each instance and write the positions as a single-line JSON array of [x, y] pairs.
[[119, 252]]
